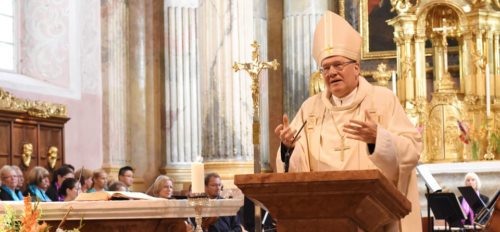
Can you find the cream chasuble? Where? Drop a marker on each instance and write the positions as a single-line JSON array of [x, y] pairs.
[[397, 149]]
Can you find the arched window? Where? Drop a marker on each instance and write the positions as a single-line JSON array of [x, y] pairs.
[[8, 50]]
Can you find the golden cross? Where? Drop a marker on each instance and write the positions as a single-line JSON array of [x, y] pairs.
[[444, 31], [342, 148], [254, 68]]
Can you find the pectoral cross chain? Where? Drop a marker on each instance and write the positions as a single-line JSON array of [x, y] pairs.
[[342, 148]]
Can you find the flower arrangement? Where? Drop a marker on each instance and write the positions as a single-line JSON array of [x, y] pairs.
[[470, 135], [28, 221]]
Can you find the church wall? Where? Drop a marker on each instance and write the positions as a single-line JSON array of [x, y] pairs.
[[60, 63]]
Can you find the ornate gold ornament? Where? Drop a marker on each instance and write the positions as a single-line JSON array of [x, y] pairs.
[[34, 108], [382, 75], [52, 156], [27, 151], [316, 83], [401, 6]]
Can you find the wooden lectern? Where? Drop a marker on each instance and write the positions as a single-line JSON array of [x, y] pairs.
[[326, 201]]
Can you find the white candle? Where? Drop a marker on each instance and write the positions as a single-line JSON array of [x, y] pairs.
[[197, 177], [488, 105], [394, 83]]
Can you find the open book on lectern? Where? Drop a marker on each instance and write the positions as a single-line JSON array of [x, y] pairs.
[[431, 183]]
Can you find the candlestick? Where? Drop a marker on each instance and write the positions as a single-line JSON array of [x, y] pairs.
[[394, 83], [488, 103], [197, 177]]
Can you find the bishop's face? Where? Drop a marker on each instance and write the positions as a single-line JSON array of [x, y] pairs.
[[341, 75]]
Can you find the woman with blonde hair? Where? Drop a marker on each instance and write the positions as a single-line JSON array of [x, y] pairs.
[[85, 177], [163, 187], [100, 181], [471, 179]]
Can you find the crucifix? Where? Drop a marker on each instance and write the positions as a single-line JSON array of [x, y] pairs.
[[444, 32], [254, 68]]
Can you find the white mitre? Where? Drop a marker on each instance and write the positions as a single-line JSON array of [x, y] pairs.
[[334, 36]]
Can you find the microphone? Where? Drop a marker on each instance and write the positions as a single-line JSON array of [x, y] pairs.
[[285, 157]]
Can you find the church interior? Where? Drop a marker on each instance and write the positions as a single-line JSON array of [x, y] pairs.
[[161, 84]]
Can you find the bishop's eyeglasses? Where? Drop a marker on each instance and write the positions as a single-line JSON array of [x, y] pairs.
[[338, 66]]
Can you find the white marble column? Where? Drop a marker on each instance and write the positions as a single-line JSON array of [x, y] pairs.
[[260, 30], [299, 22], [114, 79], [226, 105], [182, 88], [145, 72]]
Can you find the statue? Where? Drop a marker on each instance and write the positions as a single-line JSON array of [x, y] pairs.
[[27, 151], [52, 156]]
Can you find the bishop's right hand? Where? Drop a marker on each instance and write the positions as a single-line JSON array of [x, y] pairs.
[[285, 133]]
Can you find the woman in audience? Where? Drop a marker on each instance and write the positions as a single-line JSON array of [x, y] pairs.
[[471, 179], [70, 188], [9, 191], [58, 177], [100, 179], [20, 178], [38, 183], [85, 176], [117, 186], [163, 187]]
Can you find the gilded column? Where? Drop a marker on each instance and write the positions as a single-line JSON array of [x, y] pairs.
[[496, 66], [182, 129], [226, 107], [114, 81], [467, 64], [420, 75], [480, 89], [145, 71], [409, 67], [300, 18]]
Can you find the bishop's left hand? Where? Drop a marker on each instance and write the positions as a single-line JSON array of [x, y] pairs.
[[362, 131]]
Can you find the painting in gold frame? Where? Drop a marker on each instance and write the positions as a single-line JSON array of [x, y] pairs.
[[377, 35]]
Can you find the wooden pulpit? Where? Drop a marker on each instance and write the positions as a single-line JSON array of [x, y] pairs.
[[326, 201]]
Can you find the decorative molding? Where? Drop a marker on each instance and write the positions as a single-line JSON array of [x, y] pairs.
[[464, 167], [137, 209], [40, 109]]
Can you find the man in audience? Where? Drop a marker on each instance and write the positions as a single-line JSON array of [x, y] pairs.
[[213, 188], [126, 176]]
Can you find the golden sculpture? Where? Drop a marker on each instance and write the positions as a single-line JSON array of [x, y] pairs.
[[382, 75], [33, 108], [27, 152], [316, 83], [52, 156]]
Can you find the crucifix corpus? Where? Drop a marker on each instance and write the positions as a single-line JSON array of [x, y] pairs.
[[254, 69], [444, 31]]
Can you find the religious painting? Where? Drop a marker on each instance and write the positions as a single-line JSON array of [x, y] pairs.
[[377, 35]]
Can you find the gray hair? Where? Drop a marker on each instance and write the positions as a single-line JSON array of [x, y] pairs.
[[474, 176]]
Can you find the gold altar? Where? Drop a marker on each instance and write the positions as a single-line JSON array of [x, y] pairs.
[[458, 101]]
